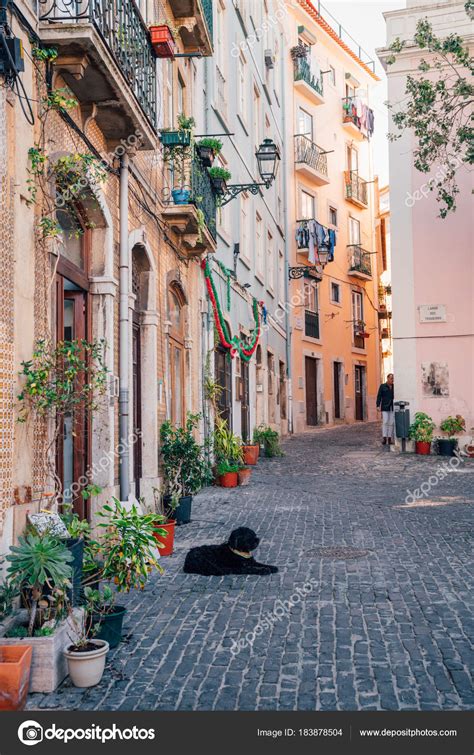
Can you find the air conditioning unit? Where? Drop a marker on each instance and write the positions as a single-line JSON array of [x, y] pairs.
[[269, 59]]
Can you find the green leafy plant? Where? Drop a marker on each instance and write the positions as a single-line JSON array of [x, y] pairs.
[[128, 546], [186, 123], [90, 491], [45, 54], [35, 564], [186, 469], [269, 439], [62, 377], [8, 593], [227, 445], [453, 425], [422, 428], [225, 467], [438, 108], [210, 142], [44, 632], [18, 631], [219, 173]]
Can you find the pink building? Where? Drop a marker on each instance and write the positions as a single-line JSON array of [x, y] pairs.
[[433, 260]]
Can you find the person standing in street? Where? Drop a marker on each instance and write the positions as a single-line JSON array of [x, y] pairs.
[[385, 405]]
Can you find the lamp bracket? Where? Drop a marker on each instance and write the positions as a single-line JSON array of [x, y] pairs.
[[301, 271], [233, 190]]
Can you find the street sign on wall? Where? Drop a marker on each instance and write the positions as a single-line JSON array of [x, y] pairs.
[[432, 312]]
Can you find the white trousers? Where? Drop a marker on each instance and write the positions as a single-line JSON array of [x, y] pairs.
[[388, 424]]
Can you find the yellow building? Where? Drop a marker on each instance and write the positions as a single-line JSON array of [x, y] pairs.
[[334, 319]]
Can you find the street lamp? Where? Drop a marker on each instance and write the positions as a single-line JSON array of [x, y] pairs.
[[268, 159]]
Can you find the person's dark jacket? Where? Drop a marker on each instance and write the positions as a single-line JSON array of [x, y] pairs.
[[385, 397]]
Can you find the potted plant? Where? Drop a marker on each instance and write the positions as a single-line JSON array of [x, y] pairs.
[[162, 41], [219, 177], [180, 137], [164, 536], [421, 431], [40, 571], [227, 474], [103, 615], [269, 439], [129, 552], [298, 51], [185, 468], [15, 667], [86, 655], [250, 453], [207, 149], [244, 475], [451, 426]]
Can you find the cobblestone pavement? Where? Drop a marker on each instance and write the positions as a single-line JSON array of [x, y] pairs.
[[385, 624]]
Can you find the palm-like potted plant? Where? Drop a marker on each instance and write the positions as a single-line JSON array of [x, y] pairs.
[[219, 177], [269, 440], [451, 426], [129, 553], [185, 467], [228, 454], [421, 431], [207, 148]]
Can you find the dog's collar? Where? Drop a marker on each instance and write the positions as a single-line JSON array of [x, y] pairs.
[[239, 553]]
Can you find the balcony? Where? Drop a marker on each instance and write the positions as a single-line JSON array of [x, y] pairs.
[[360, 265], [356, 189], [350, 121], [311, 324], [105, 58], [311, 160], [194, 222], [194, 20], [307, 83]]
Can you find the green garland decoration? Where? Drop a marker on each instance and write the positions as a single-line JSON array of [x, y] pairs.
[[228, 275]]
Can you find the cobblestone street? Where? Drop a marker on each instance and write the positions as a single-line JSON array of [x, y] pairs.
[[385, 624]]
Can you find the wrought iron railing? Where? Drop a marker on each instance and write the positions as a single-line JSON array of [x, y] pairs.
[[359, 259], [302, 72], [309, 153], [311, 324], [356, 187], [123, 30], [207, 15], [202, 195]]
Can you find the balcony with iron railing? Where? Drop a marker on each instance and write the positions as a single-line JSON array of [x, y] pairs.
[[106, 59], [311, 160], [360, 264], [192, 217], [307, 82], [194, 21], [311, 324], [356, 189]]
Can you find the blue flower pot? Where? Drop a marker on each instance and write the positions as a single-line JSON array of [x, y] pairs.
[[181, 196]]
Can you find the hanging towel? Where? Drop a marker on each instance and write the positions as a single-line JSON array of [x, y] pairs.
[[332, 244], [312, 228]]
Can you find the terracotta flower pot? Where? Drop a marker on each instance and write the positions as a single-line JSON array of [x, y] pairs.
[[168, 539], [229, 480], [244, 476], [162, 41], [422, 447], [251, 453], [469, 449], [86, 667], [15, 665]]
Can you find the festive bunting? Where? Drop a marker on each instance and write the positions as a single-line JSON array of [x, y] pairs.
[[234, 344]]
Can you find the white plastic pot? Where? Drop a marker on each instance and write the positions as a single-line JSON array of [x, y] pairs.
[[87, 668]]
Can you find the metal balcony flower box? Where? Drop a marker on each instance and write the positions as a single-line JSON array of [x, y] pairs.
[[181, 138], [162, 41], [206, 155], [219, 185]]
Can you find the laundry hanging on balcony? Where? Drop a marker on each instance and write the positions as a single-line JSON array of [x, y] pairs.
[[316, 238], [244, 348]]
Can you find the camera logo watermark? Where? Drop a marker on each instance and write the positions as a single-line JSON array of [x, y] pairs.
[[31, 733]]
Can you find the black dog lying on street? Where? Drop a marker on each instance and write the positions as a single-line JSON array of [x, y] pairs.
[[233, 557]]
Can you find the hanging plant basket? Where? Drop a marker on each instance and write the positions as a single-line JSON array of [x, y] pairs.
[[162, 41], [219, 185], [298, 51], [206, 155], [181, 138]]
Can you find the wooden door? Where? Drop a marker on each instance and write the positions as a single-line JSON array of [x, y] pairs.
[[72, 445], [337, 390], [311, 382], [359, 392], [245, 400], [223, 371], [137, 406]]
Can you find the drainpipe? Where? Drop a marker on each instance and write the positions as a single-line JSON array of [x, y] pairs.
[[287, 250], [124, 329]]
